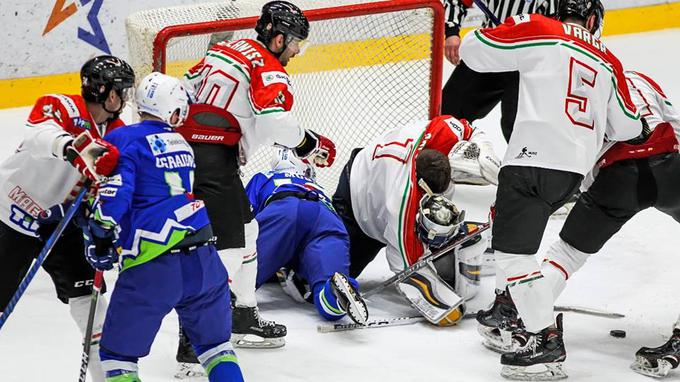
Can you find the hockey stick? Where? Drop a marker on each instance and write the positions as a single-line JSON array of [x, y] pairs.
[[49, 244], [87, 340], [588, 311], [371, 324], [403, 275], [487, 12], [379, 323]]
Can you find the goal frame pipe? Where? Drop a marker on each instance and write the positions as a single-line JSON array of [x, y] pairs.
[[353, 10]]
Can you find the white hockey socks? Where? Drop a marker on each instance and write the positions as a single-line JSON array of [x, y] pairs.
[[80, 308], [530, 291], [241, 264], [562, 261]]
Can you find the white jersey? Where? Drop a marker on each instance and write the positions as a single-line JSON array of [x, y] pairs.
[[245, 79], [383, 186], [572, 91], [663, 121], [36, 176]]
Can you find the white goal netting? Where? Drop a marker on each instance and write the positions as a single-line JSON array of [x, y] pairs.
[[369, 66]]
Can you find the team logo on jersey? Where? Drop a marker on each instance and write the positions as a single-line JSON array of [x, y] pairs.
[[22, 219], [158, 145], [269, 78], [166, 143], [61, 13], [82, 123], [525, 153]]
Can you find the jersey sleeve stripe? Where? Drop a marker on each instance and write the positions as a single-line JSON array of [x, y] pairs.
[[627, 107], [406, 198], [237, 65]]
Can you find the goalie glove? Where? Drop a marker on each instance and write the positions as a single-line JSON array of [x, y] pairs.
[[316, 149], [489, 164], [474, 161], [93, 157]]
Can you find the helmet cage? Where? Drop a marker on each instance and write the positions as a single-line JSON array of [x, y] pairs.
[[438, 220]]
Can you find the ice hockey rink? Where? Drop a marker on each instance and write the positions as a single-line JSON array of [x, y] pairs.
[[635, 274]]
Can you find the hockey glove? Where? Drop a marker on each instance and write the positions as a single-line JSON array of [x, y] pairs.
[[93, 157], [100, 250], [316, 149], [49, 219]]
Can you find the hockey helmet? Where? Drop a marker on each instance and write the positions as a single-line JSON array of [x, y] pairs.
[[161, 96], [285, 160], [438, 220], [583, 9], [286, 19], [102, 74]]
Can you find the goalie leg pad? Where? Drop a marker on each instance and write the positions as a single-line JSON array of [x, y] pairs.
[[433, 297]]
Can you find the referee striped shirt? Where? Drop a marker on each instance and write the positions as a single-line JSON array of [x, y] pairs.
[[456, 10]]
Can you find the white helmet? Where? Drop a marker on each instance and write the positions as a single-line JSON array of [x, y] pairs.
[[284, 160], [161, 96]]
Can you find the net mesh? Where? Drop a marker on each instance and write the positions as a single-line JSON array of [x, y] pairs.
[[359, 76]]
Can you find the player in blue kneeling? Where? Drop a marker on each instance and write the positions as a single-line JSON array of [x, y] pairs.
[[146, 213], [300, 230]]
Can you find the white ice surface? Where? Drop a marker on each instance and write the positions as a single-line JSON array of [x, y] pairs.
[[636, 274]]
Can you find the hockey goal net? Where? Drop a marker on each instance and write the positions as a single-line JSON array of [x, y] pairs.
[[370, 66]]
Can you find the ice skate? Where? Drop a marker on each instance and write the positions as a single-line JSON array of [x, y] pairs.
[[249, 330], [188, 365], [659, 361], [498, 323], [349, 299], [541, 357]]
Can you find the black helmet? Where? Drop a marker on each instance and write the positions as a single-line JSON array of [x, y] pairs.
[[582, 9], [285, 18], [102, 74]]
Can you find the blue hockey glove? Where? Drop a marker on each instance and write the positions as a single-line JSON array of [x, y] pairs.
[[100, 248], [49, 219]]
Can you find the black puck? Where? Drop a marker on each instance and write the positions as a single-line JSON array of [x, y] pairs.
[[618, 333]]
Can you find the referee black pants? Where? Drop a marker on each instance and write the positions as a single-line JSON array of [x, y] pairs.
[[472, 95]]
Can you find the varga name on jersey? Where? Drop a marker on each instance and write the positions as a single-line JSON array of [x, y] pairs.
[[584, 36], [244, 47]]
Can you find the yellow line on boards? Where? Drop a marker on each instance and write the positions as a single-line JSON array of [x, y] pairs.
[[24, 91]]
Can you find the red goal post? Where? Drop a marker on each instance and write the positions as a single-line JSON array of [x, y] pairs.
[[370, 65]]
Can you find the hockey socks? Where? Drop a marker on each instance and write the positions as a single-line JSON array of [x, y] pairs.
[[326, 303], [220, 363], [119, 368]]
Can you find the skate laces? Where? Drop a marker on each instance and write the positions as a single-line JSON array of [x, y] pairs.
[[262, 321]]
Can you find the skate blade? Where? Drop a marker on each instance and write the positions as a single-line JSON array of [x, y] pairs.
[[540, 372], [642, 366], [498, 343], [189, 370], [357, 309], [251, 341]]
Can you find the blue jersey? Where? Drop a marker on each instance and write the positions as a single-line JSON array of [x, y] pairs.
[[263, 185], [148, 196]]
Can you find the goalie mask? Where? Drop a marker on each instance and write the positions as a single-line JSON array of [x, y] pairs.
[[438, 220]]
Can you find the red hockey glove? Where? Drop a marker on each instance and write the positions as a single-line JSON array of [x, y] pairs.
[[93, 157], [316, 149]]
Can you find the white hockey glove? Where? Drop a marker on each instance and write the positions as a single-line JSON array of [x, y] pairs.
[[474, 161]]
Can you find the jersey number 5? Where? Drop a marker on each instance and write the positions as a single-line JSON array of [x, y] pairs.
[[581, 85]]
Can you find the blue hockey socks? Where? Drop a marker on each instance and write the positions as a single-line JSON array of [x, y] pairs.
[[220, 362], [119, 368], [327, 303]]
